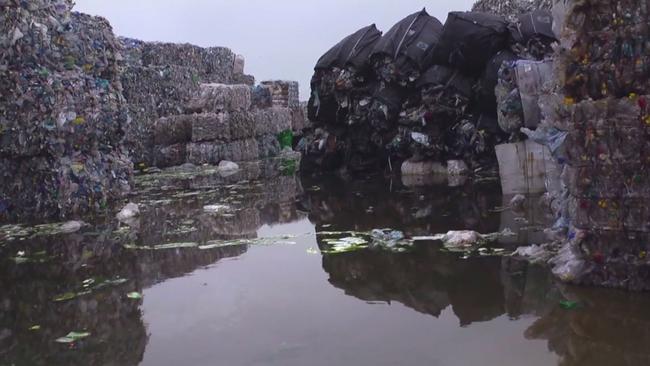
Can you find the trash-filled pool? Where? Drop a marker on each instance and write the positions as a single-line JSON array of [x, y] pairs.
[[314, 272]]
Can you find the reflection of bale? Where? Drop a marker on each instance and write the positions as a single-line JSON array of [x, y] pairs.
[[610, 329], [215, 152], [240, 224], [426, 280]]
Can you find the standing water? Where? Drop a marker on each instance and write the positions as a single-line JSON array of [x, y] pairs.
[[245, 274]]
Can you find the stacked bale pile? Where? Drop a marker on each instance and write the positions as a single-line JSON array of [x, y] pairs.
[[511, 8], [161, 78], [223, 125], [421, 93], [603, 68], [62, 114]]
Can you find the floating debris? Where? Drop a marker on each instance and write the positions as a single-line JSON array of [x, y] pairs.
[[73, 337], [312, 250], [35, 328], [345, 245], [38, 257], [89, 286], [569, 305], [216, 208], [134, 295]]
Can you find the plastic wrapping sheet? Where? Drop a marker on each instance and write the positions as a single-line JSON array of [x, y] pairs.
[[470, 39]]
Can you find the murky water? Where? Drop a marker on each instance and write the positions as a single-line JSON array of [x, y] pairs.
[[218, 293]]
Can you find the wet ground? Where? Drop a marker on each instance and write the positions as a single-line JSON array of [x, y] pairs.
[[252, 280]]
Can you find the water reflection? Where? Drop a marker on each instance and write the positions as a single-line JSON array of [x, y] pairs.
[[38, 270], [277, 306]]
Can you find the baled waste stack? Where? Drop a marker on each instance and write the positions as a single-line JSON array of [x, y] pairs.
[[160, 79], [222, 124], [421, 93], [604, 110], [62, 113]]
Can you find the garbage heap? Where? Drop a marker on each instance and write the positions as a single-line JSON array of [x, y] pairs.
[[603, 106], [222, 123], [62, 114], [161, 78], [422, 93]]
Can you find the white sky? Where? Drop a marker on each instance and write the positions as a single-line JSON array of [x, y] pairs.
[[280, 39]]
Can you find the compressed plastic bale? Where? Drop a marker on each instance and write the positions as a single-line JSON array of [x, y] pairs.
[[606, 146], [470, 39], [70, 111], [298, 120], [167, 156], [213, 64], [242, 150], [630, 214], [153, 92], [284, 93], [272, 120], [490, 78], [531, 78], [244, 79], [210, 127], [268, 146], [261, 97], [239, 64], [221, 97], [205, 153], [173, 130], [215, 152], [628, 180], [243, 125]]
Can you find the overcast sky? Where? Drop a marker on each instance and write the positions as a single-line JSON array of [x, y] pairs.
[[280, 39]]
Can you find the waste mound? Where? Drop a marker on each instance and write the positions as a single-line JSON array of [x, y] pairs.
[[428, 92], [63, 117]]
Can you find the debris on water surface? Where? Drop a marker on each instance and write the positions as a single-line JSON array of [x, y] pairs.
[[38, 257], [73, 337], [312, 251], [345, 245], [21, 232], [89, 286], [35, 328], [128, 213], [569, 305], [134, 295], [216, 208]]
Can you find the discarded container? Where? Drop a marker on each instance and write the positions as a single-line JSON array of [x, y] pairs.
[[524, 167]]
